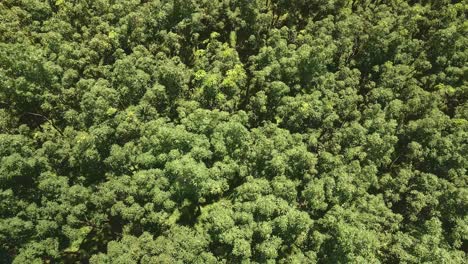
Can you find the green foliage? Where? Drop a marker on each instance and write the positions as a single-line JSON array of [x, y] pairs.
[[233, 131]]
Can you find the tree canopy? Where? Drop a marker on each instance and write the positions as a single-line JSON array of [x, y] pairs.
[[233, 131]]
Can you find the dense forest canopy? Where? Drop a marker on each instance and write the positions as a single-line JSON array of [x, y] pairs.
[[233, 131]]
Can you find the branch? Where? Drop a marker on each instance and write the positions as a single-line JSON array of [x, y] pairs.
[[48, 120], [393, 162]]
